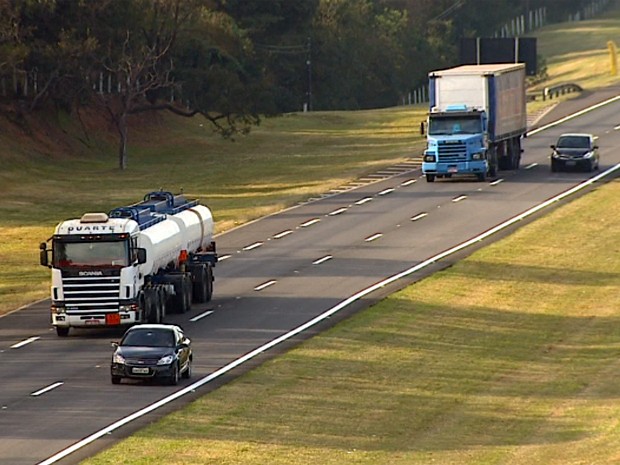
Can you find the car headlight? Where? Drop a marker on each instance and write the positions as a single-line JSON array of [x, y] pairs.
[[118, 358], [429, 158], [166, 360], [588, 155], [477, 156]]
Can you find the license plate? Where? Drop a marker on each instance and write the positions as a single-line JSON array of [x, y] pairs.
[[453, 170], [93, 322], [570, 163], [140, 370]]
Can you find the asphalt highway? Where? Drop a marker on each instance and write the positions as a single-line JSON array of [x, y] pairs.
[[275, 274]]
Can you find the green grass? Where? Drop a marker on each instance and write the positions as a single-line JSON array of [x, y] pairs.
[[523, 371]]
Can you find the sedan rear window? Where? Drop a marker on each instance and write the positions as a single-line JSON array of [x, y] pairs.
[[150, 338], [574, 142]]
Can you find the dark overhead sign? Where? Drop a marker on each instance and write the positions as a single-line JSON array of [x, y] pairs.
[[479, 51]]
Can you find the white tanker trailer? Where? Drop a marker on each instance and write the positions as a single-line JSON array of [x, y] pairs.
[[132, 265]]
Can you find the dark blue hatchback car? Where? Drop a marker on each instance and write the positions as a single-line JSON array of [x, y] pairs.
[[152, 351]]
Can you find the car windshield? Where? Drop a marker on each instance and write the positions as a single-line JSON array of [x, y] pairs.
[[573, 142], [89, 254], [149, 338]]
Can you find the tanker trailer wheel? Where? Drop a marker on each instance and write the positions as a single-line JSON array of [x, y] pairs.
[[209, 282], [200, 285], [152, 309]]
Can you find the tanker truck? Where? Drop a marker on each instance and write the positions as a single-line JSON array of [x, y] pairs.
[[476, 119], [134, 264]]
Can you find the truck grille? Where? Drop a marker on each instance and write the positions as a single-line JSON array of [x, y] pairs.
[[84, 295], [452, 152]]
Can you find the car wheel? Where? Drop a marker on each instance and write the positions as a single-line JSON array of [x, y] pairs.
[[187, 374], [174, 377], [116, 380], [554, 167]]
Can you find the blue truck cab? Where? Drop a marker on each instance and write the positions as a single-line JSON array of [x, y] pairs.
[[456, 143]]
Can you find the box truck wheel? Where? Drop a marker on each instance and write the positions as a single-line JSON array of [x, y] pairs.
[[430, 178]]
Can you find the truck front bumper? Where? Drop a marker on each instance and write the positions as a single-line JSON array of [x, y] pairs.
[[466, 167], [98, 320]]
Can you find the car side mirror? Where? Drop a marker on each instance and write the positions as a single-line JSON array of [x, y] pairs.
[[595, 147], [552, 146], [114, 345]]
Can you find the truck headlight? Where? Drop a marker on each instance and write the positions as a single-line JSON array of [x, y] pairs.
[[166, 360], [58, 309], [429, 158], [477, 156]]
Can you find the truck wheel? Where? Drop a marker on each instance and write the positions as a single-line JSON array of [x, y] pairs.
[[62, 331], [481, 176], [152, 309], [200, 286], [209, 283], [430, 178], [185, 297]]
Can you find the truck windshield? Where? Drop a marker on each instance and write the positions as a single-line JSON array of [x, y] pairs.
[[444, 125], [91, 254]]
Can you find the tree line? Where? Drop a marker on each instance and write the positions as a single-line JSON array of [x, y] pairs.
[[233, 60]]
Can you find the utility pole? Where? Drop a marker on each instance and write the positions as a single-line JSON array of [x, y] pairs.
[[309, 67]]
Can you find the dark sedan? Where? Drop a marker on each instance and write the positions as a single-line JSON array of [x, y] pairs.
[[575, 151], [152, 351]]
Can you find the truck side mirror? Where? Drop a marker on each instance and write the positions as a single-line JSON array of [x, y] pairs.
[[43, 258], [141, 255], [423, 128]]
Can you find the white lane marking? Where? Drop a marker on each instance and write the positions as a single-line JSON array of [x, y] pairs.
[[223, 257], [419, 216], [252, 246], [408, 183], [310, 222], [459, 198], [374, 237], [363, 201], [531, 165], [201, 316], [322, 260], [25, 342], [283, 234], [496, 182], [386, 191], [46, 389], [574, 115], [265, 285], [319, 318], [338, 212]]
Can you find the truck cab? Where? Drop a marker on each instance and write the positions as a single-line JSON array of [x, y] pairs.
[[456, 143]]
